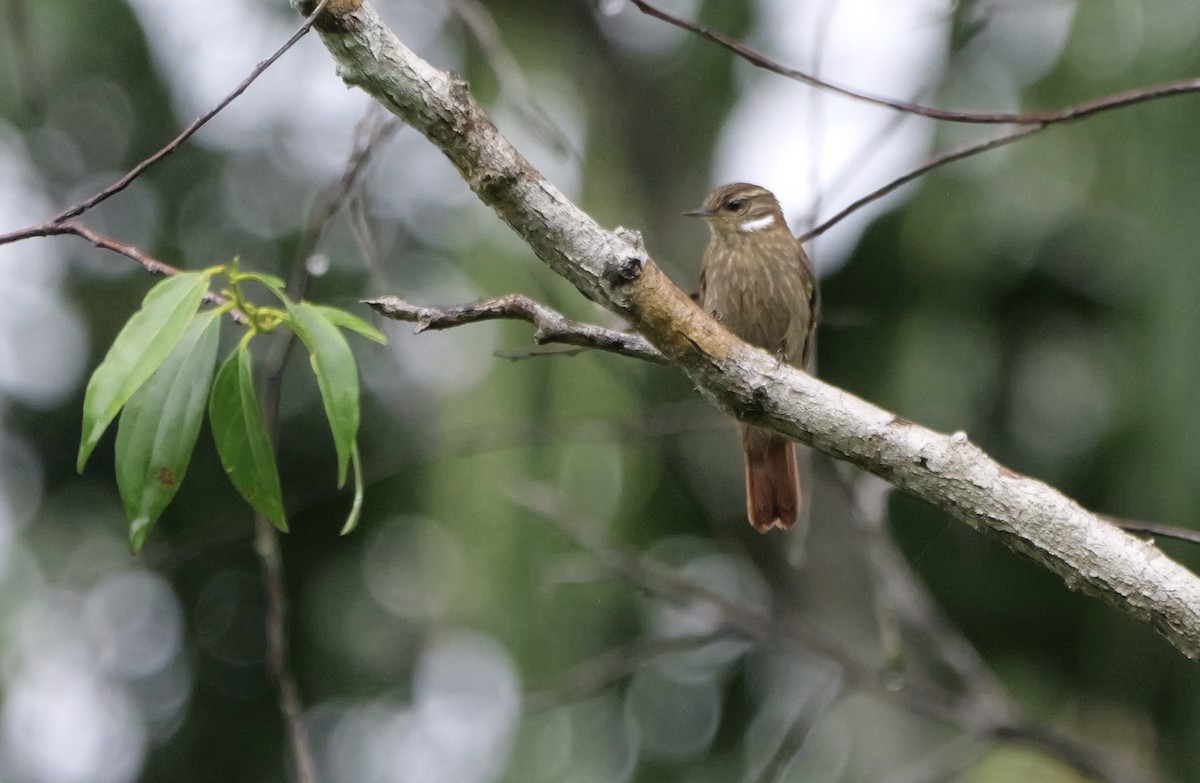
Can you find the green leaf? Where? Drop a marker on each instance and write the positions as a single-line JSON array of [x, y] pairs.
[[337, 376], [159, 426], [350, 321], [141, 346], [241, 436], [356, 507], [271, 282]]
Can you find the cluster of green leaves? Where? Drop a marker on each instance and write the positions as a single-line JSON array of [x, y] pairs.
[[160, 374]]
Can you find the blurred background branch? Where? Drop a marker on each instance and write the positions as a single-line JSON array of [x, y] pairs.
[[978, 706], [369, 136]]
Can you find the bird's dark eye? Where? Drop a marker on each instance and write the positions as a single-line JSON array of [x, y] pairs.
[[736, 205]]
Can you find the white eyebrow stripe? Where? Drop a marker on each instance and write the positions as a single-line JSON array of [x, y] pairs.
[[758, 224]]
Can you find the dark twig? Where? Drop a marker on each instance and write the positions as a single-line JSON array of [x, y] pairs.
[[63, 224], [551, 326], [266, 545], [538, 353], [190, 130], [128, 177], [266, 538], [1029, 122], [868, 150], [965, 151], [1074, 112], [150, 264]]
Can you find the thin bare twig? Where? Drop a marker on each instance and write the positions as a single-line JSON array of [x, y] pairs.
[[551, 326], [1029, 122], [96, 239], [266, 545], [175, 143], [869, 149], [965, 151], [1073, 112], [64, 223], [128, 177], [150, 264]]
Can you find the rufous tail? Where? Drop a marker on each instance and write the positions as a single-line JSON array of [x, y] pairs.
[[772, 482]]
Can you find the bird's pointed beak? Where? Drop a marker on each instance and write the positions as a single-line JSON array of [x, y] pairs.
[[700, 213]]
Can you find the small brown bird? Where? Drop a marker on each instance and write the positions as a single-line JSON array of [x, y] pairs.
[[756, 280]]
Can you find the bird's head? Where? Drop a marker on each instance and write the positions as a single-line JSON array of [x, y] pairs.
[[740, 208]]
